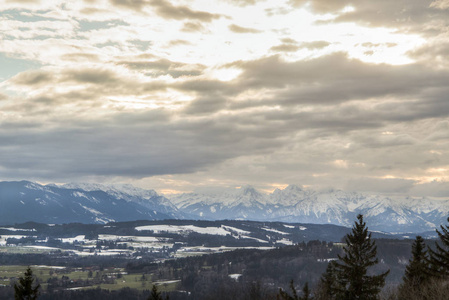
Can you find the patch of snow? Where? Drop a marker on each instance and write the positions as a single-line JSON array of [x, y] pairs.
[[289, 226], [166, 282], [48, 267], [16, 229], [111, 237], [79, 194], [42, 247], [184, 229], [233, 229], [235, 276], [91, 210], [78, 238], [285, 242]]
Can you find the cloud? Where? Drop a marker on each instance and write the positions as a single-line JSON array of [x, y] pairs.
[[440, 4], [3, 97], [334, 79], [136, 145], [91, 75], [243, 2], [193, 27], [239, 29], [126, 91], [174, 43], [32, 78], [169, 11], [204, 105], [161, 67], [315, 45], [290, 45], [435, 52], [377, 185], [434, 189], [405, 15], [285, 48]]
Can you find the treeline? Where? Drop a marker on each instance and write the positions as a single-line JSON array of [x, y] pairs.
[[355, 269]]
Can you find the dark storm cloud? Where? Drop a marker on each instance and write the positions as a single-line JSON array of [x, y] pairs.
[[240, 29]]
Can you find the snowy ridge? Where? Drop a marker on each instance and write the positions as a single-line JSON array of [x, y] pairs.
[[96, 203], [148, 198], [295, 204], [24, 201]]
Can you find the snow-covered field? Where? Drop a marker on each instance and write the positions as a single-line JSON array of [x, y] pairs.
[[184, 229]]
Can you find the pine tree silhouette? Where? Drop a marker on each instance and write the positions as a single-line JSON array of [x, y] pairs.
[[416, 272], [305, 291], [353, 282], [156, 295], [439, 258], [328, 281], [23, 290]]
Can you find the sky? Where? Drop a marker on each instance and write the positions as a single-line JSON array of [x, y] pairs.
[[186, 95]]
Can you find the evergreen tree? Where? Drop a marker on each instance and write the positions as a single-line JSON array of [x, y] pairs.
[[418, 266], [23, 290], [353, 282], [155, 294], [439, 258], [305, 290], [328, 281]]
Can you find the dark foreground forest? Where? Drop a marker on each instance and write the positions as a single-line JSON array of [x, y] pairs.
[[358, 268]]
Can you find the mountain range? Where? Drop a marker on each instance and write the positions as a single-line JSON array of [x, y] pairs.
[[23, 201]]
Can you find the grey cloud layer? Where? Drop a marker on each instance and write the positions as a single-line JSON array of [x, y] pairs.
[[167, 10], [219, 126], [406, 15], [118, 102]]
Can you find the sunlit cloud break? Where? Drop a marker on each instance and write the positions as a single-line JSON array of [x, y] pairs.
[[180, 95]]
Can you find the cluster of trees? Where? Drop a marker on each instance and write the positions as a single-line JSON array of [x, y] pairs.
[[348, 278], [355, 275], [426, 276]]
